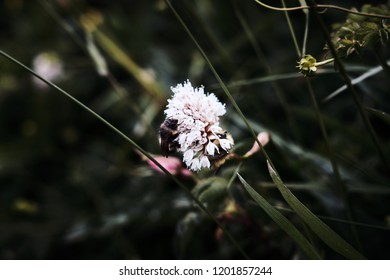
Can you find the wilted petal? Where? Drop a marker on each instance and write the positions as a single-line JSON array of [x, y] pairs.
[[171, 164], [263, 138]]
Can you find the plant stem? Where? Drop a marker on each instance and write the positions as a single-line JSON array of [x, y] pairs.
[[343, 72], [262, 59], [306, 12], [378, 51], [338, 180], [324, 62], [323, 7], [292, 31]]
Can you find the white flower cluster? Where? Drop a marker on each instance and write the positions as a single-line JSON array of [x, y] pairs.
[[198, 129]]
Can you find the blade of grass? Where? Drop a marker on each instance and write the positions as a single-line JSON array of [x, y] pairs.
[[380, 114], [331, 238], [122, 58], [381, 57], [282, 221], [263, 79], [370, 72], [365, 170], [342, 221], [133, 144]]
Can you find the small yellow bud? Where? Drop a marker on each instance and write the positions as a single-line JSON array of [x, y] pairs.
[[307, 65]]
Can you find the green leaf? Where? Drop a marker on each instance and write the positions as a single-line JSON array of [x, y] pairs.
[[384, 116], [210, 189], [330, 237], [282, 221], [215, 190]]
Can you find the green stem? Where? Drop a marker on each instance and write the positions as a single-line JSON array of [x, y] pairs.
[[343, 72], [338, 180], [378, 51], [134, 145], [338, 220], [306, 33], [262, 59], [292, 31], [324, 62]]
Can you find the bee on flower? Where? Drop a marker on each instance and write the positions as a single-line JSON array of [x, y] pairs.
[[192, 128]]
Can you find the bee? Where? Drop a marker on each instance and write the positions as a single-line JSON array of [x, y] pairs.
[[219, 158], [168, 133]]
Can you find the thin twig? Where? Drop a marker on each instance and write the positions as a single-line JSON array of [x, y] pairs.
[[300, 54], [321, 6]]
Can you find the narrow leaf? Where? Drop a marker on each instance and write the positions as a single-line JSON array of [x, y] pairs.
[[210, 189], [370, 72], [97, 57], [384, 116], [282, 221], [330, 237]]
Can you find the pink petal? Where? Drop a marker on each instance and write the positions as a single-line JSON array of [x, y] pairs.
[[172, 164], [263, 138]]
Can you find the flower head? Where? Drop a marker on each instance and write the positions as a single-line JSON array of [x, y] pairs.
[[307, 65], [199, 136]]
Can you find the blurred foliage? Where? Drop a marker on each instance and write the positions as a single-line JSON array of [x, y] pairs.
[[361, 32], [73, 189]]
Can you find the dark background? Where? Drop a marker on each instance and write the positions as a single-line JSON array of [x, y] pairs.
[[71, 188]]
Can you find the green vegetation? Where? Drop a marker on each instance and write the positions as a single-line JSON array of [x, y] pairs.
[[83, 88]]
